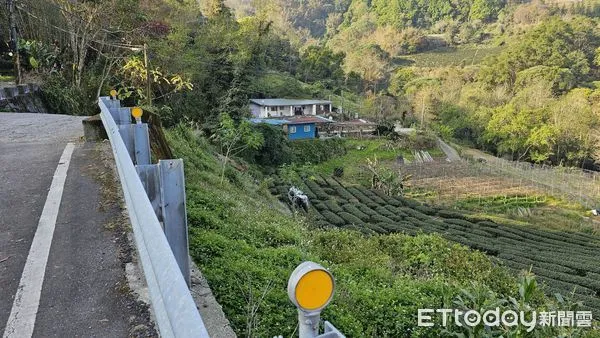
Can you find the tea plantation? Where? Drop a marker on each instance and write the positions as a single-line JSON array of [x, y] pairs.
[[565, 261]]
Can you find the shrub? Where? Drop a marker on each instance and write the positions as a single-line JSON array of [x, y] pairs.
[[316, 151], [427, 210], [329, 191], [396, 211], [316, 189], [359, 195], [438, 224], [376, 228], [372, 195], [318, 205], [341, 201], [61, 97], [333, 206], [412, 221], [275, 149], [414, 213], [372, 204], [332, 182], [450, 214], [359, 228], [365, 209], [333, 218], [385, 212], [381, 218], [488, 224], [351, 209], [459, 222], [323, 224], [351, 218], [399, 227], [408, 202], [386, 198], [345, 194]]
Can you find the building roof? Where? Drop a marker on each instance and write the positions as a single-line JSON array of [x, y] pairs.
[[356, 122], [307, 119], [287, 102], [275, 122], [292, 120]]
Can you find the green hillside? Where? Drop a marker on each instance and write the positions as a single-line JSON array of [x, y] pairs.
[[246, 242]]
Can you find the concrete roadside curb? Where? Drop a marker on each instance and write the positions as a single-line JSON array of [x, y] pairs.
[[216, 323]]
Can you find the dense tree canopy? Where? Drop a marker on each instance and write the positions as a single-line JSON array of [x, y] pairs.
[[534, 97], [568, 46]]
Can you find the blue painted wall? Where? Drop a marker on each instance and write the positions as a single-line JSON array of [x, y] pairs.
[[300, 133]]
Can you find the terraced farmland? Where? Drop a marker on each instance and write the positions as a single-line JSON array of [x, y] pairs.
[[564, 261]]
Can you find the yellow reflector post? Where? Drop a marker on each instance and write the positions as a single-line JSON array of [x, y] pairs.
[[314, 290], [310, 287], [137, 112], [113, 93]]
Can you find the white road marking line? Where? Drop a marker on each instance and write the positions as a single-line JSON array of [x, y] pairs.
[[27, 299]]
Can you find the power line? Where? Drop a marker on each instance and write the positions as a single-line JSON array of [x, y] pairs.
[[78, 17], [47, 24]]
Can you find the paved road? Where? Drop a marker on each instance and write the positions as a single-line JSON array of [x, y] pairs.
[[82, 286], [450, 152]]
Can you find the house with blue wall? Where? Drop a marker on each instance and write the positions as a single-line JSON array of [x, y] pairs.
[[282, 108], [297, 128]]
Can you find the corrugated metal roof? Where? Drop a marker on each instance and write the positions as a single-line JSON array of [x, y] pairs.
[[292, 120], [307, 119], [287, 102], [356, 122], [274, 122]]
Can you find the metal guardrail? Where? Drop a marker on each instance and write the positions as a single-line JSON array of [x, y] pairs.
[[174, 308]]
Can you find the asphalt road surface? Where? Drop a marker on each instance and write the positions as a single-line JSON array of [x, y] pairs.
[[62, 244]]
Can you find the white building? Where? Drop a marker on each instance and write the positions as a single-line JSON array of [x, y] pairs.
[[264, 108]]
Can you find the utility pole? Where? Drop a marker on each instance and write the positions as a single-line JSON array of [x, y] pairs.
[[146, 65], [14, 40], [422, 112]]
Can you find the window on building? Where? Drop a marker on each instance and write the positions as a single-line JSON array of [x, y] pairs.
[[281, 108], [273, 108], [306, 129], [292, 130]]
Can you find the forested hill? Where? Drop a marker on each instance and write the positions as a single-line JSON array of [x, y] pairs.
[[518, 79], [321, 18]]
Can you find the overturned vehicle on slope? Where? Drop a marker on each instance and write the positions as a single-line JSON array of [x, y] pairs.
[[298, 199]]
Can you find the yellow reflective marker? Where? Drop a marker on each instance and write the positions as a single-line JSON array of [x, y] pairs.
[[137, 112], [310, 287], [314, 290], [113, 93]]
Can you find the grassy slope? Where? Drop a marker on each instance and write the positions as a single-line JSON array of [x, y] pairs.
[[358, 152], [452, 56], [247, 246], [355, 158]]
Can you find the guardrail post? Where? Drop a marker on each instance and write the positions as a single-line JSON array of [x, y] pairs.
[[172, 191], [151, 181], [141, 143], [121, 115], [126, 131], [112, 104]]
